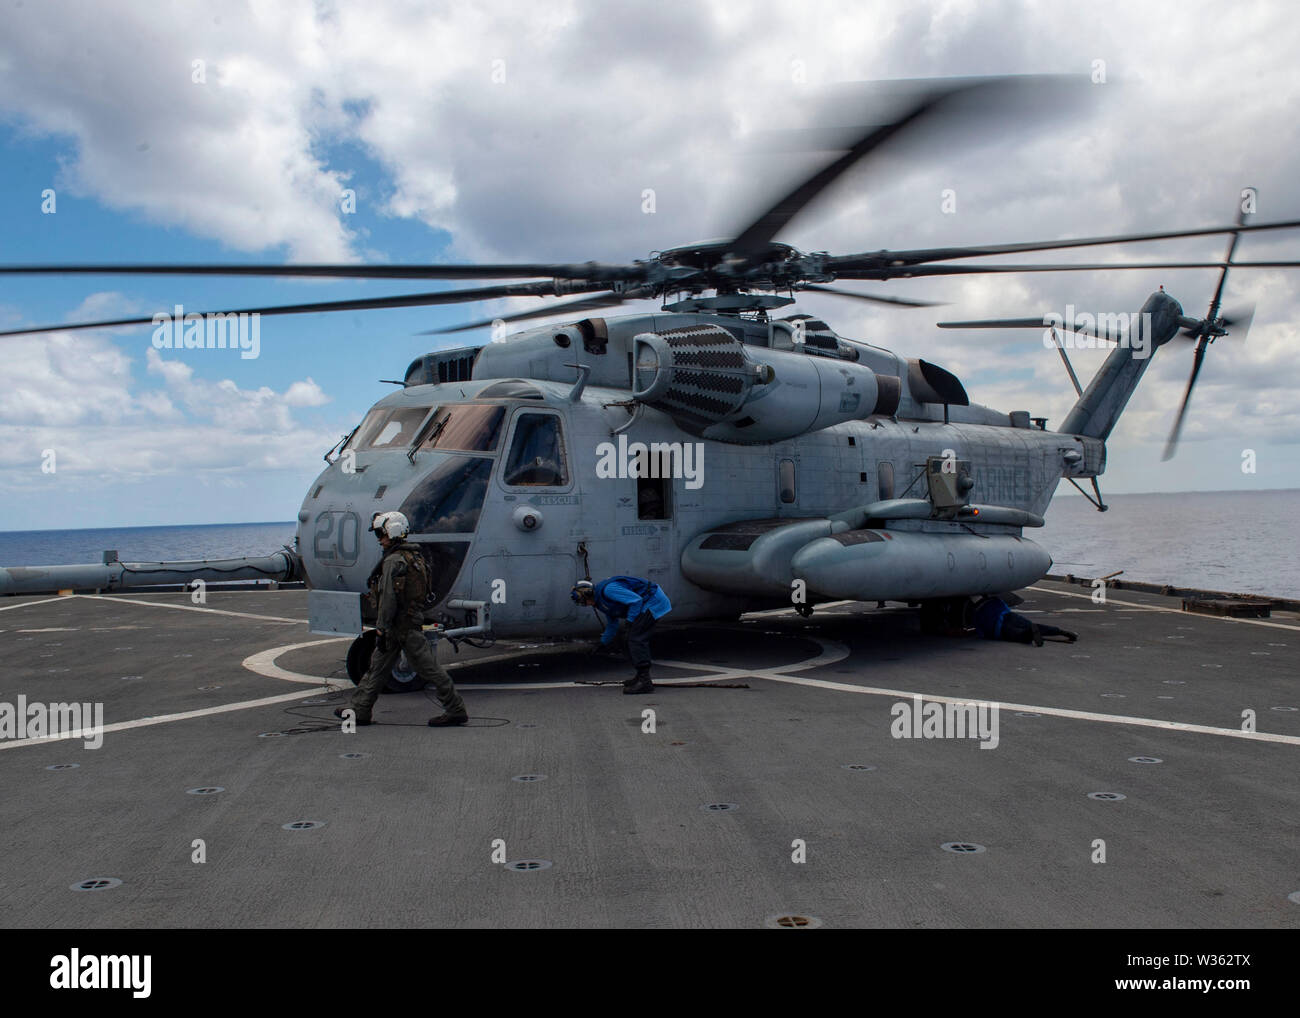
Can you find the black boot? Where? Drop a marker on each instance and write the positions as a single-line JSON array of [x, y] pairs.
[[361, 721], [640, 682]]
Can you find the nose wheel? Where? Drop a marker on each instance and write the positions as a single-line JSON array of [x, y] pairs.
[[401, 678]]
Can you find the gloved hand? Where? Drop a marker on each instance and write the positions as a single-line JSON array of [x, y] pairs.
[[381, 642], [597, 648]]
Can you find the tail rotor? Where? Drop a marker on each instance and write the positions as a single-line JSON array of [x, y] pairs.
[[1205, 331]]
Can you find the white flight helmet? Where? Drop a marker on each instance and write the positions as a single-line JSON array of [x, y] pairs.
[[394, 525]]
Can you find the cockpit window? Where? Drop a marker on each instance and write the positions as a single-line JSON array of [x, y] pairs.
[[465, 427], [450, 498], [388, 428], [537, 453]]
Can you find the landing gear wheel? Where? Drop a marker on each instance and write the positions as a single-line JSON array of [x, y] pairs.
[[360, 651], [401, 679]]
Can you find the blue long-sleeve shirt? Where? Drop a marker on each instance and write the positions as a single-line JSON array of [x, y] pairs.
[[989, 616], [625, 597]]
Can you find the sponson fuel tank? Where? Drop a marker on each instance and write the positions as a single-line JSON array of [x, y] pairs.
[[718, 388], [905, 565]]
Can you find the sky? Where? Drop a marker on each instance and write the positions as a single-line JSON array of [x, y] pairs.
[[532, 131]]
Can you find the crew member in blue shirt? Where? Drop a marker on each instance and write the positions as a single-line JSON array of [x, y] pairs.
[[636, 602], [993, 620]]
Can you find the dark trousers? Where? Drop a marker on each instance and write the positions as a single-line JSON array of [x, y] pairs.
[[420, 656], [638, 640], [1019, 629]]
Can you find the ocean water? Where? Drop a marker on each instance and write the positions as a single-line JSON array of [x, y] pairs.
[[1240, 541], [143, 544], [1237, 541]]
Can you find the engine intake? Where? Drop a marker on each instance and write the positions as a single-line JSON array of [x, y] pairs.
[[716, 387]]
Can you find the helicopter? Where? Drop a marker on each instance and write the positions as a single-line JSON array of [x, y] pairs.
[[739, 458]]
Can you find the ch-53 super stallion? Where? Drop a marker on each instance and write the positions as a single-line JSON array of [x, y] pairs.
[[740, 460]]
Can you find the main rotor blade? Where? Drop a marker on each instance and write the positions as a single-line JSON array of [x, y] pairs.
[[364, 304], [911, 271], [755, 237], [586, 270], [1027, 323], [600, 300], [898, 301], [873, 259], [1171, 446]]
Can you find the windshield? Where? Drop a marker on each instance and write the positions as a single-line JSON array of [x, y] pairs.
[[388, 428], [465, 427]]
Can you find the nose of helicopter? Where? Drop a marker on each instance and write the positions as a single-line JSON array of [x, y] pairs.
[[441, 495]]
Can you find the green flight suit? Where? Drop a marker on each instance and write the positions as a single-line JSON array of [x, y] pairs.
[[400, 590]]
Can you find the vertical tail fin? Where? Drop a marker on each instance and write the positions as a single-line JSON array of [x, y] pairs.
[[1098, 409]]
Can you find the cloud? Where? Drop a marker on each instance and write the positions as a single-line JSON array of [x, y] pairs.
[[74, 393], [525, 132], [305, 393]]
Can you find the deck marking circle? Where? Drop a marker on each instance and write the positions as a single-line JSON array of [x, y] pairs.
[[528, 865], [962, 847], [720, 807], [529, 777], [353, 756], [1107, 796], [1145, 759], [791, 922], [857, 767], [62, 767], [1285, 708], [302, 825], [205, 790], [96, 884]]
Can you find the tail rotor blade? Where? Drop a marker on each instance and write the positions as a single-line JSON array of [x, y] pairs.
[[1238, 319], [1171, 446]]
